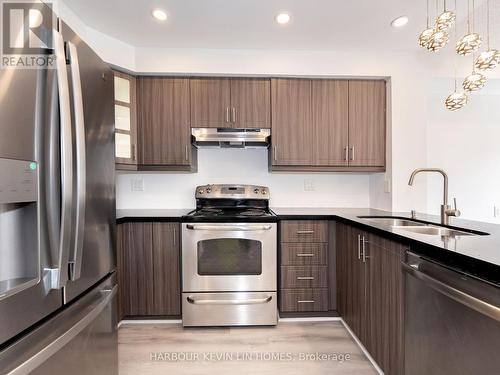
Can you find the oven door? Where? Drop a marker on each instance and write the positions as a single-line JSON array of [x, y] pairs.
[[224, 257]]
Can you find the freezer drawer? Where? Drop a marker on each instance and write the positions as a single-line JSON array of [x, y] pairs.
[[229, 309], [79, 340]]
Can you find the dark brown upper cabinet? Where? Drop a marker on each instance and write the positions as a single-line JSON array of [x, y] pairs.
[[231, 103], [328, 125], [330, 122], [250, 103], [292, 130], [164, 123], [125, 121], [367, 109], [210, 102]]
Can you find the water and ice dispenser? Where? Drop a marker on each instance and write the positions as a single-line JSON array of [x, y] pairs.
[[19, 240]]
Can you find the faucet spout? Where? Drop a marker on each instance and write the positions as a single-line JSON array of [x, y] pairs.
[[446, 211]]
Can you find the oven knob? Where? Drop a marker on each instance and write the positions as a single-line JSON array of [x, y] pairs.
[[209, 190], [264, 192], [200, 191], [256, 191]]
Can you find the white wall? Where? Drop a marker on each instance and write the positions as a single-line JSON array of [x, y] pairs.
[[466, 144], [245, 166]]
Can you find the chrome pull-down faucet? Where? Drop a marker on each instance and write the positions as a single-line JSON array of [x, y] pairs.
[[446, 210]]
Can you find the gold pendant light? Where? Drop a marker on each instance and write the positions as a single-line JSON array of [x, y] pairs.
[[424, 37], [446, 19], [490, 58], [474, 81], [471, 41], [456, 101], [437, 40]]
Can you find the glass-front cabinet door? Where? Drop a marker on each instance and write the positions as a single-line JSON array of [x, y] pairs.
[[125, 121]]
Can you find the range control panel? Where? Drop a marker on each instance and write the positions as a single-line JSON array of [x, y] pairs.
[[18, 181], [232, 192]]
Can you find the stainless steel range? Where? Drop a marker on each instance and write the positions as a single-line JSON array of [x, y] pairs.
[[229, 258]]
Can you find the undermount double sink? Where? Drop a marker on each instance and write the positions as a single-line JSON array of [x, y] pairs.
[[420, 227]]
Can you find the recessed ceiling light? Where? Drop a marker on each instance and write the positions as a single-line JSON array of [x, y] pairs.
[[159, 14], [283, 18], [400, 21]]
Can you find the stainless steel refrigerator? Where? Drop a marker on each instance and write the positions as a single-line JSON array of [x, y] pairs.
[[57, 215]]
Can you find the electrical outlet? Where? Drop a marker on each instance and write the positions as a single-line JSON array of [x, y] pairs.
[[137, 184], [496, 211], [387, 185], [309, 185]]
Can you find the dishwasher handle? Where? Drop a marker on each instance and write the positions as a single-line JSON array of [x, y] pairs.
[[414, 268]]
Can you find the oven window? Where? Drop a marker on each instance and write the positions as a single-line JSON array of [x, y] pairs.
[[229, 256]]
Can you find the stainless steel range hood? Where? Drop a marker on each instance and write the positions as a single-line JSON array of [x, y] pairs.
[[230, 138]]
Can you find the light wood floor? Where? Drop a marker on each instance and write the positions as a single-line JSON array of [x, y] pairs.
[[150, 349]]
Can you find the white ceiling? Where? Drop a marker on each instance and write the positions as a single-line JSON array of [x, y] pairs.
[[249, 24]]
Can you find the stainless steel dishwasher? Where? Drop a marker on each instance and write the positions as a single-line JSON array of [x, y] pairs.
[[452, 321]]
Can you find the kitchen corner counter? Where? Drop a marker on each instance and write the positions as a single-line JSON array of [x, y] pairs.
[[478, 255], [151, 214]]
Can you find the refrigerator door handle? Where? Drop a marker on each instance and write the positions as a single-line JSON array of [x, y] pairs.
[[93, 312], [59, 275], [81, 163]]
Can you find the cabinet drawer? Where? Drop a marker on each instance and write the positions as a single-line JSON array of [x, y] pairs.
[[304, 231], [298, 300], [304, 277], [304, 254]]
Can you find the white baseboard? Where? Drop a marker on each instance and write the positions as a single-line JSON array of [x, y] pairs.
[[363, 349]]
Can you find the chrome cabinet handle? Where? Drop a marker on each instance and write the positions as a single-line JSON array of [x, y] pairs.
[[305, 255], [255, 301], [245, 228], [233, 115], [81, 163], [186, 148], [346, 153], [305, 278], [132, 146], [363, 245], [305, 301], [359, 246], [352, 153], [275, 154], [59, 275], [305, 232], [227, 114]]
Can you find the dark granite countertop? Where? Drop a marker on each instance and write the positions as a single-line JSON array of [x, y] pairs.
[[478, 254], [469, 252], [150, 214]]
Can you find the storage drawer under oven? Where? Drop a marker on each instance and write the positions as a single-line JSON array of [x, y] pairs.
[[229, 309]]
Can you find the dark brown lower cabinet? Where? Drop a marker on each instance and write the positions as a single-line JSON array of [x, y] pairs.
[[148, 269], [370, 293]]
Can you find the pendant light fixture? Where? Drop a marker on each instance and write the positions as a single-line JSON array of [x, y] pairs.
[[474, 81], [439, 38], [456, 100], [446, 19], [471, 41], [490, 58], [424, 37]]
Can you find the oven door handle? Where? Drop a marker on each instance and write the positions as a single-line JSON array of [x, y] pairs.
[[237, 228], [253, 301]]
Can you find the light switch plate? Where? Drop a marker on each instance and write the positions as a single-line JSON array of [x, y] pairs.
[[309, 185], [496, 211], [137, 184]]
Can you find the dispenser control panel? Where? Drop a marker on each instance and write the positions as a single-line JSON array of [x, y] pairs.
[[18, 181]]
